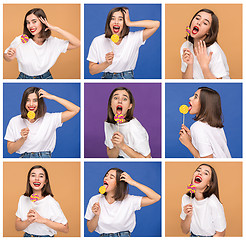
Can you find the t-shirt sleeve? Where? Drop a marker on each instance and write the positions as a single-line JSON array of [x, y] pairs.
[[201, 140], [61, 44], [93, 52], [57, 213], [217, 65], [13, 44], [108, 135], [138, 38], [184, 203], [136, 202], [56, 118], [10, 132], [89, 214]]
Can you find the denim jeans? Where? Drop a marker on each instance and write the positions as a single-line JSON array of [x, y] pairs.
[[193, 235], [46, 75], [32, 235], [121, 75], [45, 154], [118, 234]]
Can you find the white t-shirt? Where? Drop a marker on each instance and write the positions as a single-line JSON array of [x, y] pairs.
[[218, 64], [208, 215], [47, 207], [125, 54], [209, 140], [116, 217], [34, 59], [135, 136], [42, 134]]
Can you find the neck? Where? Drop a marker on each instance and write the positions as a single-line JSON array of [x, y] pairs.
[[38, 40], [38, 192], [196, 40], [31, 120], [110, 197], [199, 195]]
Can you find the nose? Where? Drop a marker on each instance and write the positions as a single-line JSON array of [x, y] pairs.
[[190, 98]]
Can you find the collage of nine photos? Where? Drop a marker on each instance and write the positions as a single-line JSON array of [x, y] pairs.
[[94, 85]]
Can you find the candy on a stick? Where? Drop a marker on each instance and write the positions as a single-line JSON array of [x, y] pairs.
[[31, 115], [184, 110], [34, 197], [191, 188], [187, 35], [102, 189], [24, 39], [115, 38], [119, 118]]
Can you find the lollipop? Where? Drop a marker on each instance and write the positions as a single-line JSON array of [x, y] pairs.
[[31, 115], [34, 197], [115, 38], [102, 189], [187, 35], [24, 38], [191, 188], [119, 118], [184, 110]]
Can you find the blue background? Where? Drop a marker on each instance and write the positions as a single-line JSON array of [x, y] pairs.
[[67, 136], [179, 94], [149, 59], [148, 219]]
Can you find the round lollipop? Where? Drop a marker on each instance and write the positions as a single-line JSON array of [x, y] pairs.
[[184, 110], [102, 189], [34, 197], [115, 38], [187, 35], [191, 188], [31, 115], [119, 118], [24, 38]]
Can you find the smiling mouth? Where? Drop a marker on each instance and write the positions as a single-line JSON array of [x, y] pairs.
[[195, 30], [119, 109], [36, 184], [33, 30], [31, 108], [116, 28], [198, 179]]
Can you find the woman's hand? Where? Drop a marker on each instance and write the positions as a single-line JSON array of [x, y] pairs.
[[96, 209], [126, 177], [188, 209], [202, 55], [118, 140], [185, 136], [11, 54], [37, 218], [188, 56], [24, 133], [109, 57], [49, 26], [30, 216], [44, 94], [127, 17]]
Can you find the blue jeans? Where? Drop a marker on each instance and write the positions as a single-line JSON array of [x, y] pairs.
[[118, 234], [45, 154], [193, 235], [46, 75], [122, 75], [32, 235]]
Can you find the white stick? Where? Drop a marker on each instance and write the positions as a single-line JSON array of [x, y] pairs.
[[183, 119]]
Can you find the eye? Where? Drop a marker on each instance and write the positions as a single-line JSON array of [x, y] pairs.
[[125, 99], [115, 98]]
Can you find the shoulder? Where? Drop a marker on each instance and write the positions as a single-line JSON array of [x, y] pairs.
[[136, 126], [215, 48], [184, 45], [49, 199], [213, 201], [99, 38], [198, 125], [15, 119], [23, 199], [185, 197], [95, 198], [134, 122]]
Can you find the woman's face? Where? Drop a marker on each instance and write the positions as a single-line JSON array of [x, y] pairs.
[[33, 24], [37, 179], [201, 177], [110, 181], [117, 22], [120, 102], [32, 102], [200, 25], [195, 104]]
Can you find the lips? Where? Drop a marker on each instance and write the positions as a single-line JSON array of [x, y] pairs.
[[36, 184], [116, 28], [190, 107], [195, 30], [32, 30], [198, 179], [105, 184], [119, 109]]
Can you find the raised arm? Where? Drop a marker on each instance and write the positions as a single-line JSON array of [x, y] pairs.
[[72, 109], [149, 25], [151, 198]]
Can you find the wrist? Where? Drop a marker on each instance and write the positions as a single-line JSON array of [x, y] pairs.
[[123, 147], [44, 220]]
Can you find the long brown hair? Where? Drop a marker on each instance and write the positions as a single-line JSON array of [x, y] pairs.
[[125, 30], [129, 114], [46, 190], [212, 34], [211, 111], [122, 187], [41, 110]]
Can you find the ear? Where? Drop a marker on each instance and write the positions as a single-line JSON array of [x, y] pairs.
[[130, 106]]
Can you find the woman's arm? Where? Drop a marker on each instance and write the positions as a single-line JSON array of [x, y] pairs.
[[151, 198], [113, 153], [21, 225], [72, 109], [149, 25], [188, 58], [93, 223], [220, 234], [185, 224], [10, 55], [118, 142], [73, 41], [185, 139]]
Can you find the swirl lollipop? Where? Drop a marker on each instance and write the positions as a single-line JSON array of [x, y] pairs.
[[184, 110], [119, 118], [187, 35], [191, 188], [24, 39], [31, 115], [34, 198]]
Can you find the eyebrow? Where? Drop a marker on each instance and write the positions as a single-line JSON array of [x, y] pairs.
[[204, 19], [117, 94]]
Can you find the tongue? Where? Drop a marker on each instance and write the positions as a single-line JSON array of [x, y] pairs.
[[119, 111], [189, 108]]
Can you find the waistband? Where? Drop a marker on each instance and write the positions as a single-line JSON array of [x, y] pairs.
[[43, 154], [42, 76], [120, 74], [118, 234], [194, 235], [33, 235]]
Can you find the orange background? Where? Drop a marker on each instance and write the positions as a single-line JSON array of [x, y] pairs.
[[65, 184], [65, 16], [178, 16], [178, 176]]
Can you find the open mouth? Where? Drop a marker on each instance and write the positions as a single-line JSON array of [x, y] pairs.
[[190, 107], [119, 109], [116, 28], [195, 30], [36, 184], [105, 184], [31, 108], [198, 179]]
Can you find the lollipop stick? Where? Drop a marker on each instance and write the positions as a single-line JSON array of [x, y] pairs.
[[183, 119], [118, 127]]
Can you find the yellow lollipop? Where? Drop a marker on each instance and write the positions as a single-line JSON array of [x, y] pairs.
[[115, 38], [183, 109], [102, 189], [31, 115]]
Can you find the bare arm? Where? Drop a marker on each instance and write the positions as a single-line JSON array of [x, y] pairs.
[[220, 234], [185, 224], [188, 58], [10, 55], [95, 68], [113, 153], [59, 227], [92, 224], [21, 225]]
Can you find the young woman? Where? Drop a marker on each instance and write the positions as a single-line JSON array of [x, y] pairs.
[[206, 137], [202, 213], [128, 139], [44, 218], [113, 214], [201, 55], [118, 60], [36, 138], [40, 53]]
